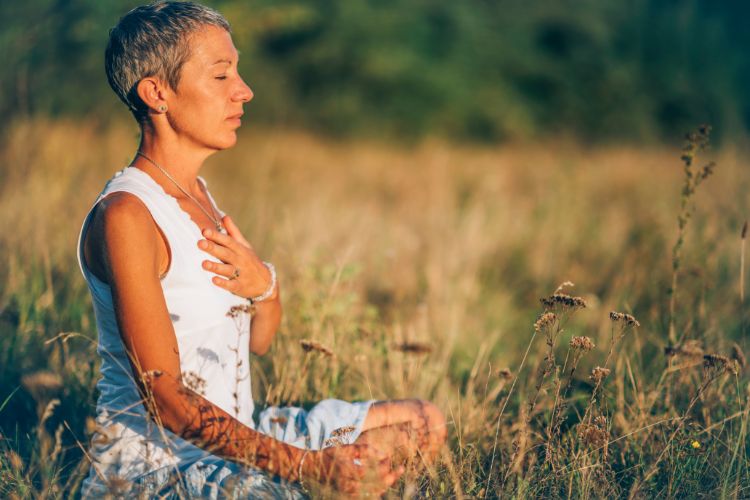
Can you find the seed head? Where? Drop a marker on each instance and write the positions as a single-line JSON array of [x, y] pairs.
[[563, 301], [545, 320], [194, 382], [235, 311], [718, 364], [563, 285], [594, 434], [584, 344], [599, 373], [311, 345], [343, 431], [627, 319], [15, 460]]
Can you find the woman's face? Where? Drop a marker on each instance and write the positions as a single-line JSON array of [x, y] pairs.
[[205, 108]]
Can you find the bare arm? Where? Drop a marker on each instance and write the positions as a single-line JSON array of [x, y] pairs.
[[128, 250]]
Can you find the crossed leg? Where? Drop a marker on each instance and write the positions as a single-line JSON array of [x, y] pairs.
[[415, 427]]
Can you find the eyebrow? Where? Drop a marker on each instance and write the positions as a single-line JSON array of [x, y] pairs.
[[228, 61]]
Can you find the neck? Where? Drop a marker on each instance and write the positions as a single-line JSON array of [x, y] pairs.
[[179, 157]]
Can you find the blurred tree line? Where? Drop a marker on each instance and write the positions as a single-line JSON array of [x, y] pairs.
[[475, 69]]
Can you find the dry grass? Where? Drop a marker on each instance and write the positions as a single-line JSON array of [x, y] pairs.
[[421, 270]]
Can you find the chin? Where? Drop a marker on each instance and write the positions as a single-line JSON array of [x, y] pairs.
[[226, 142]]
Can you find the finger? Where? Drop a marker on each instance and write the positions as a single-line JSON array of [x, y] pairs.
[[222, 269], [235, 231], [226, 284], [220, 252], [220, 238]]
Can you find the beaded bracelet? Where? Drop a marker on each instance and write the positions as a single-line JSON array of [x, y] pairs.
[[271, 287]]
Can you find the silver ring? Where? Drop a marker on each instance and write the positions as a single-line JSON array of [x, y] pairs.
[[235, 274]]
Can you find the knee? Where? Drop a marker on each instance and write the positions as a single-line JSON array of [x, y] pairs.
[[434, 421]]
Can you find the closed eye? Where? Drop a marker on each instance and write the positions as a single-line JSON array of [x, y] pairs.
[[223, 77]]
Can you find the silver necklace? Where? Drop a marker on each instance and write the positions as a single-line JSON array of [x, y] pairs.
[[217, 222]]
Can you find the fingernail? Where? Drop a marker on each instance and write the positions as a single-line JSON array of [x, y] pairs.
[[206, 232]]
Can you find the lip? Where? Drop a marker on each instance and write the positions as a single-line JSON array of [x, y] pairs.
[[236, 117]]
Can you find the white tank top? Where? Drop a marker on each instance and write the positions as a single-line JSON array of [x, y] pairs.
[[213, 346]]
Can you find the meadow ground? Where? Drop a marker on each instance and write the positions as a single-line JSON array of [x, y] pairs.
[[421, 269]]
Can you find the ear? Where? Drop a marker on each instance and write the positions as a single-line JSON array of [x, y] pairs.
[[153, 94]]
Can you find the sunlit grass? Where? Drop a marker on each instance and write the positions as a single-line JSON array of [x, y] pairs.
[[439, 246]]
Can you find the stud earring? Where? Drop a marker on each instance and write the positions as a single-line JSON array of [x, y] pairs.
[[162, 109]]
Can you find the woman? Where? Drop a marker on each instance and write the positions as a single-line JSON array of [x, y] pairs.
[[170, 275]]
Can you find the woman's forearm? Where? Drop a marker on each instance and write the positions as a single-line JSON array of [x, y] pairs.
[[265, 323], [198, 420]]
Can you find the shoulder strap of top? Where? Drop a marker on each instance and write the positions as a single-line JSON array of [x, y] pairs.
[[166, 212]]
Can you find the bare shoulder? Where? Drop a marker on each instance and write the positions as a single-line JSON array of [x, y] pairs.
[[121, 229], [123, 212]]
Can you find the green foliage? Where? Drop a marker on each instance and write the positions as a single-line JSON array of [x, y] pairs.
[[405, 68]]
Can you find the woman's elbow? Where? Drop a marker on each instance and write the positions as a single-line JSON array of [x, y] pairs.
[[167, 405], [260, 349]]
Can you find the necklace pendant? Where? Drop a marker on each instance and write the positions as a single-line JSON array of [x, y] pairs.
[[220, 228]]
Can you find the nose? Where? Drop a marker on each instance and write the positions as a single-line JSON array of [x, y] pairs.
[[243, 93]]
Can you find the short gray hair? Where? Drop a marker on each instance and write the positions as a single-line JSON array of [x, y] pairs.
[[152, 40]]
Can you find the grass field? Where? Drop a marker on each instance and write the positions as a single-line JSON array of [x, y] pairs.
[[421, 268]]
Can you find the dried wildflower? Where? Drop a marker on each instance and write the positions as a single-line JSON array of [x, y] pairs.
[[413, 347], [563, 301], [738, 355], [688, 349], [627, 319], [716, 364], [545, 320], [340, 436], [311, 345], [599, 373], [194, 382], [584, 344], [334, 441], [594, 434], [235, 311], [343, 431], [505, 373]]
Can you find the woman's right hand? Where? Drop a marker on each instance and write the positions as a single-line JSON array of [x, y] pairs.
[[355, 469]]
